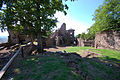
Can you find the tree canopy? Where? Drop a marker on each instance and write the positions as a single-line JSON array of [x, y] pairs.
[[106, 17], [33, 17]]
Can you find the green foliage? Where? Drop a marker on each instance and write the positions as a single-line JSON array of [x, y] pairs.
[[106, 17], [78, 36], [32, 17], [85, 36]]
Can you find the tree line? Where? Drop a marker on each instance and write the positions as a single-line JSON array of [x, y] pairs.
[[106, 17]]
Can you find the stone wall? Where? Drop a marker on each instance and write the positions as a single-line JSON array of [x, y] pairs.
[[61, 37], [83, 43], [80, 42], [108, 39], [14, 38]]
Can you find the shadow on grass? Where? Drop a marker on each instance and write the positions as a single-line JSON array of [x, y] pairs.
[[97, 68], [109, 59], [63, 66]]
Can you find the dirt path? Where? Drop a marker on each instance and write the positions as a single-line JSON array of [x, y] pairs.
[[57, 48]]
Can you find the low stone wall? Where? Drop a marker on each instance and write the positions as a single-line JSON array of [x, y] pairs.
[[80, 42], [83, 43], [108, 39]]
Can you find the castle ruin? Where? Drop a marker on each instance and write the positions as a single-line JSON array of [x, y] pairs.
[[61, 37]]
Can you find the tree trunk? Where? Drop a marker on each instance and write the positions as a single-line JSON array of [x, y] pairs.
[[39, 40], [32, 39]]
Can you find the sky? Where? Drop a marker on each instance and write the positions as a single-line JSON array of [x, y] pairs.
[[79, 15]]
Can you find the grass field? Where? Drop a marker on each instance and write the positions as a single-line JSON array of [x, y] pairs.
[[108, 54], [78, 49], [111, 55], [54, 66], [47, 67]]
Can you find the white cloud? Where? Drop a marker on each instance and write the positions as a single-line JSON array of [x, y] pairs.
[[5, 33], [71, 23]]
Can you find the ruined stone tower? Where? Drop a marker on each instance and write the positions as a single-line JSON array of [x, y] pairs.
[[61, 37]]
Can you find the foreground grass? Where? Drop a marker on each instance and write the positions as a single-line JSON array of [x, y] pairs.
[[40, 68], [55, 67], [95, 67]]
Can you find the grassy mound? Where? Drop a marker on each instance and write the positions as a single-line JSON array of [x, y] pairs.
[[47, 67], [65, 66]]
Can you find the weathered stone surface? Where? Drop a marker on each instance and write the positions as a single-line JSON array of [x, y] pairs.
[[108, 39], [80, 42], [17, 38], [61, 37], [83, 43], [12, 38]]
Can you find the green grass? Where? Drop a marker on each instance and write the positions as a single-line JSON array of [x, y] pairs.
[[111, 55], [97, 69], [41, 68], [54, 66], [77, 49]]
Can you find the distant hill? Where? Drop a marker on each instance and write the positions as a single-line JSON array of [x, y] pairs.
[[3, 39]]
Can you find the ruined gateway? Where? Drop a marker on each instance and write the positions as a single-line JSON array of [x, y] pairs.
[[59, 37]]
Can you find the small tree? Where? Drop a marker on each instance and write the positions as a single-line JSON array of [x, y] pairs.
[[78, 36]]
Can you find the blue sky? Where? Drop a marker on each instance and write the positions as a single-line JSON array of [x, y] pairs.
[[79, 16], [82, 10]]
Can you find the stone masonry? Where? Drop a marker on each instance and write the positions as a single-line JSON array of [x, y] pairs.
[[61, 37], [83, 43], [108, 39], [14, 38]]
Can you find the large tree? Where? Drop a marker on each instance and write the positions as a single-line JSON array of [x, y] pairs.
[[106, 17], [33, 17]]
